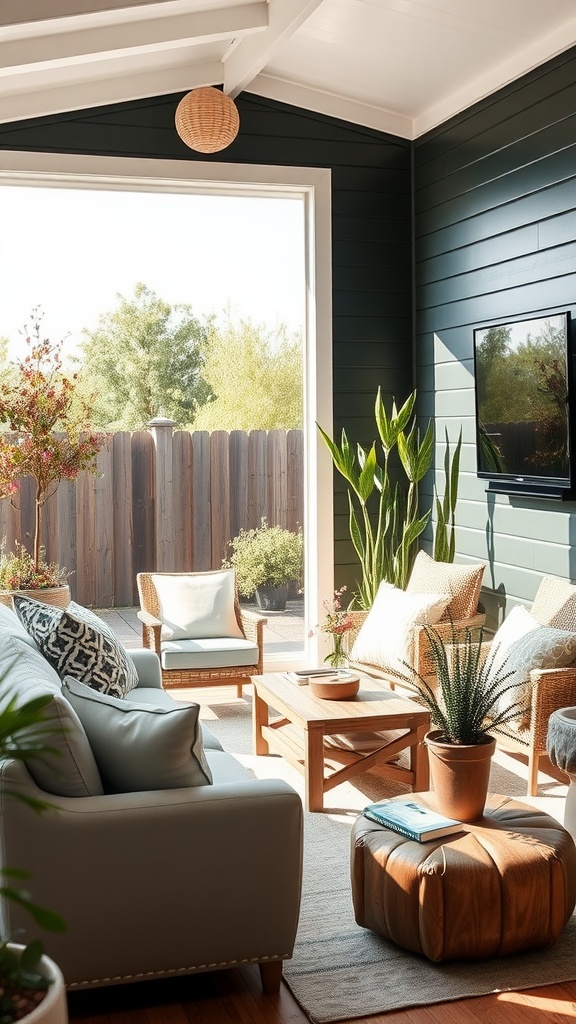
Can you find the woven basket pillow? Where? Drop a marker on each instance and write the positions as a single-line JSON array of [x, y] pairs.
[[555, 603], [463, 582]]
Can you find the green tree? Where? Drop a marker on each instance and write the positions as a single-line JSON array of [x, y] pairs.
[[145, 359], [256, 377]]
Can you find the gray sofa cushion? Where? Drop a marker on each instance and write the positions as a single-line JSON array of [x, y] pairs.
[[72, 770], [9, 620], [160, 698], [140, 746]]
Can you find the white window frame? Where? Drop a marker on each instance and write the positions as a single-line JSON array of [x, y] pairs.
[[313, 186]]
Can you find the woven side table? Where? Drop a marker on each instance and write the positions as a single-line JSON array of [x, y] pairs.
[[507, 883]]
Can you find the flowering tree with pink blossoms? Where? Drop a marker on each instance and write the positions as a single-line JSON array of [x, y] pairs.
[[49, 438]]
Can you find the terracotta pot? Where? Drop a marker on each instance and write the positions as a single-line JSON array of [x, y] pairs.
[[460, 774], [58, 596], [53, 1009]]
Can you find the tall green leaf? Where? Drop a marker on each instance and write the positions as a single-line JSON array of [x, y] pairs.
[[385, 521]]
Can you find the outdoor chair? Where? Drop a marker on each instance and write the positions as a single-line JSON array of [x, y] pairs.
[[548, 667], [390, 639], [195, 624]]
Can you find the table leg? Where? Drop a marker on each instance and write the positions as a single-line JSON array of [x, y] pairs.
[[314, 769], [259, 718], [419, 762]]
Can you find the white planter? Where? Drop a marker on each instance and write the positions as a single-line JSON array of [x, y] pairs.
[[54, 1007]]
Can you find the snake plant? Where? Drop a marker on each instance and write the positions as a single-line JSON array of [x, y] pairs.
[[384, 516]]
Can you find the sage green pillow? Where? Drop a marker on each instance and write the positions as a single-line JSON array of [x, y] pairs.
[[140, 746]]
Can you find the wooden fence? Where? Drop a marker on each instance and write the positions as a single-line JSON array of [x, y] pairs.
[[164, 501]]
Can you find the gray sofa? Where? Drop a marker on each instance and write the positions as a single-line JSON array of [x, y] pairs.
[[154, 882]]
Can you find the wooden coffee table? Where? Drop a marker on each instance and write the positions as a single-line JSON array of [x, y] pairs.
[[299, 733]]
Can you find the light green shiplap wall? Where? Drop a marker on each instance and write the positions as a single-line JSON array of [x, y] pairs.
[[495, 230]]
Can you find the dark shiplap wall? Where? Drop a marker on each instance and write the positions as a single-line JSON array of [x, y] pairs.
[[495, 223], [371, 225]]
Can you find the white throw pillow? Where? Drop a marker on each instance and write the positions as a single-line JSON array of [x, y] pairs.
[[197, 606], [141, 746], [520, 645], [386, 638]]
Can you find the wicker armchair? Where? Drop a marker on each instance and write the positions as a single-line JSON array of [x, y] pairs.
[[554, 605], [251, 626], [551, 688]]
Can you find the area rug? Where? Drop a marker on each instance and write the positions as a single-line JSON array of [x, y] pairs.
[[340, 970]]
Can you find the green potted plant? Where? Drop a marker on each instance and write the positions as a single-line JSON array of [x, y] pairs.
[[47, 438], [384, 516], [31, 984], [465, 707], [266, 560]]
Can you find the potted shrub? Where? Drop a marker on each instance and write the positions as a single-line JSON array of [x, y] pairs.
[[266, 560], [31, 984], [49, 441], [464, 707]]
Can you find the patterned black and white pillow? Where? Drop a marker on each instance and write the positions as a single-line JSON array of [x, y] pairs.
[[38, 619], [91, 619], [102, 661], [76, 649]]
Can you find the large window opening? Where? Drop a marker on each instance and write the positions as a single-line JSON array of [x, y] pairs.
[[93, 240]]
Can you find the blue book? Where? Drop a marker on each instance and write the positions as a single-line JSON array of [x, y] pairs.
[[412, 819]]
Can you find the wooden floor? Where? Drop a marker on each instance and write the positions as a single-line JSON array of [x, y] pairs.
[[235, 997]]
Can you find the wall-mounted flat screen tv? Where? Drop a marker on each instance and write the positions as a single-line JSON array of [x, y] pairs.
[[523, 405]]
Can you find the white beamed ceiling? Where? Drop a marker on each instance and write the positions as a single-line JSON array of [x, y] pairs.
[[401, 66]]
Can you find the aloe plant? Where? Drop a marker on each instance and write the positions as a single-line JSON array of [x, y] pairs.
[[384, 517], [465, 705]]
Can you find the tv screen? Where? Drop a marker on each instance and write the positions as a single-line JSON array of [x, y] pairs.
[[522, 403]]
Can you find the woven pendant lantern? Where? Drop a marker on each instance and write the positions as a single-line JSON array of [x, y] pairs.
[[207, 120]]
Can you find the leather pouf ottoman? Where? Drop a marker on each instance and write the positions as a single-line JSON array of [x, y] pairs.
[[505, 884]]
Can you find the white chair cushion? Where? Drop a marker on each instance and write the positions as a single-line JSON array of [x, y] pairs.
[[520, 645], [214, 652], [386, 638], [197, 605], [141, 746]]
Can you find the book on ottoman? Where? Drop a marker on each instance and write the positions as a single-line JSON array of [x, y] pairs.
[[412, 820]]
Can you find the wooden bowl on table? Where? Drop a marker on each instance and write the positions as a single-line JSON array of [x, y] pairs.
[[341, 685]]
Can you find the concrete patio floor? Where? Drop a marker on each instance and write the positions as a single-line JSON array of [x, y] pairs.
[[283, 632]]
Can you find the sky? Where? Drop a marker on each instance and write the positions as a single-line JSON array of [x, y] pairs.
[[71, 251]]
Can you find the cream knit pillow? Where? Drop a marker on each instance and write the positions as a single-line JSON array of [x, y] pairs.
[[386, 638]]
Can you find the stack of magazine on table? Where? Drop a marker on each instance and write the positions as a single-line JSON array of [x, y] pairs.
[[327, 674], [412, 819]]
